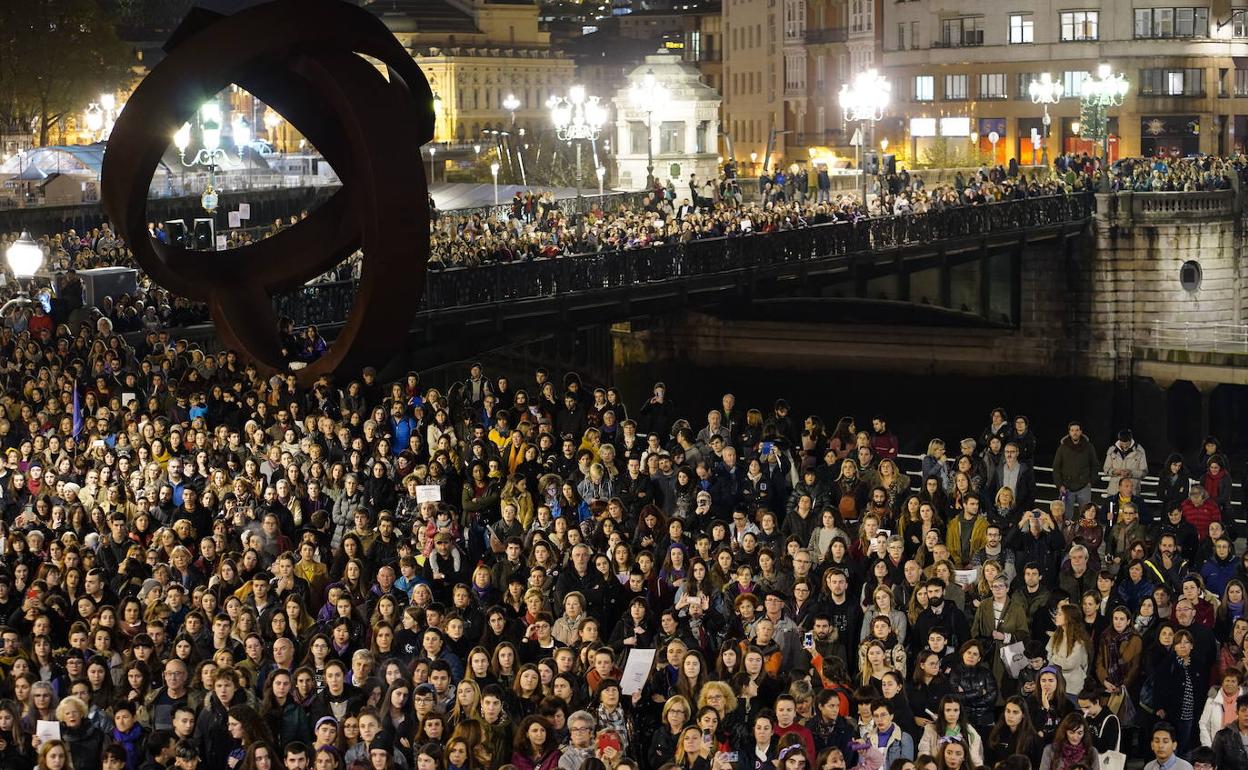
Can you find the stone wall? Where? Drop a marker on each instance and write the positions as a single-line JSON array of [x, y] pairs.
[[1140, 243]]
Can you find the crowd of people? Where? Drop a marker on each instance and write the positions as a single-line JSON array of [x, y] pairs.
[[201, 567]]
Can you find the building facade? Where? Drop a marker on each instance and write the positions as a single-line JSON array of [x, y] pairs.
[[476, 53], [961, 74], [682, 131], [783, 64]]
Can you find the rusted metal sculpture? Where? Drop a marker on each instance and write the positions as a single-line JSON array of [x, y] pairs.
[[304, 58]]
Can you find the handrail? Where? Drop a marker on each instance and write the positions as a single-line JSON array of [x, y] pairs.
[[1148, 485], [330, 302], [1200, 337]]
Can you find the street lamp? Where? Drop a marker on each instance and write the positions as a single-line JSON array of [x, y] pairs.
[[433, 151], [649, 95], [864, 101], [1107, 89], [577, 116], [271, 123], [210, 154], [494, 173], [1045, 91], [100, 116], [25, 258], [601, 172]]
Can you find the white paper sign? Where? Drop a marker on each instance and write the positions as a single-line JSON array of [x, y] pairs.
[[236, 221], [636, 671], [244, 211], [428, 493], [126, 398], [48, 730], [222, 243], [965, 577]]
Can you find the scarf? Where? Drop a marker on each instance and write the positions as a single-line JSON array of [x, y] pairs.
[[1071, 755], [1115, 666], [1228, 706]]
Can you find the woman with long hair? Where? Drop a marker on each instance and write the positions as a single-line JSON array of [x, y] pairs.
[[1048, 704], [287, 720], [1013, 734], [261, 755], [926, 687], [1069, 648], [1118, 659], [951, 722], [1071, 747], [693, 752], [534, 746]]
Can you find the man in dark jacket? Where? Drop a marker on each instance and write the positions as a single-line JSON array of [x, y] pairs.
[[1075, 467], [1229, 744], [212, 734]]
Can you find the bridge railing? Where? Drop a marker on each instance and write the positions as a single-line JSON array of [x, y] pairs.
[[328, 303], [1200, 337]]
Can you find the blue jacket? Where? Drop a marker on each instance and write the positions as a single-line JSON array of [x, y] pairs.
[[402, 430], [1217, 575]]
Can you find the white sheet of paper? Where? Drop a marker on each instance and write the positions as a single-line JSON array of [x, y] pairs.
[[126, 398], [244, 211], [636, 670], [48, 730], [428, 493], [222, 243], [236, 221], [966, 577]]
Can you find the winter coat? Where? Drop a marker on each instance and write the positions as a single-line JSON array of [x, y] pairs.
[[1075, 465], [977, 689], [86, 743], [1132, 460]]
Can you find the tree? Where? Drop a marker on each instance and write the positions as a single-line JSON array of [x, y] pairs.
[[56, 56]]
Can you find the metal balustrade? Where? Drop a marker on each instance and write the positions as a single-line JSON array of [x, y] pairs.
[[328, 303]]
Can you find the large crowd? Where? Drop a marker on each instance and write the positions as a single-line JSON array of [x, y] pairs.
[[206, 568]]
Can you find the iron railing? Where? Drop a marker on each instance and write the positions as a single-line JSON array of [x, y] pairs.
[[1200, 337], [328, 303]]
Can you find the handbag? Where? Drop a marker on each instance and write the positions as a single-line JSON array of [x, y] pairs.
[[1014, 659], [1115, 760]]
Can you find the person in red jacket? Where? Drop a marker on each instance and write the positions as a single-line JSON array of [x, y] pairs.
[[786, 722], [1199, 510]]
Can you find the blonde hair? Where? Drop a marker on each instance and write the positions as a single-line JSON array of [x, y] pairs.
[[730, 698], [933, 445]]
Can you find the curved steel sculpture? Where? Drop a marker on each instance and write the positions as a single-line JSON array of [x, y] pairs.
[[304, 58]]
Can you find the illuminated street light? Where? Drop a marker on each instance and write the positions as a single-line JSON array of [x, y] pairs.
[[1107, 89], [577, 117], [494, 173], [1046, 91], [210, 155], [25, 257], [863, 101]]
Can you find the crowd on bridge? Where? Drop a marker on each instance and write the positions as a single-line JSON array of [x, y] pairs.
[[204, 567]]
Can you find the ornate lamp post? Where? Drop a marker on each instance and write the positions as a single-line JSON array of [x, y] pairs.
[[1107, 89], [649, 95], [210, 154], [1045, 91], [577, 117], [863, 101], [494, 173], [25, 258]]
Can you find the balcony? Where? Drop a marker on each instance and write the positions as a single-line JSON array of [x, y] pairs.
[[830, 35]]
